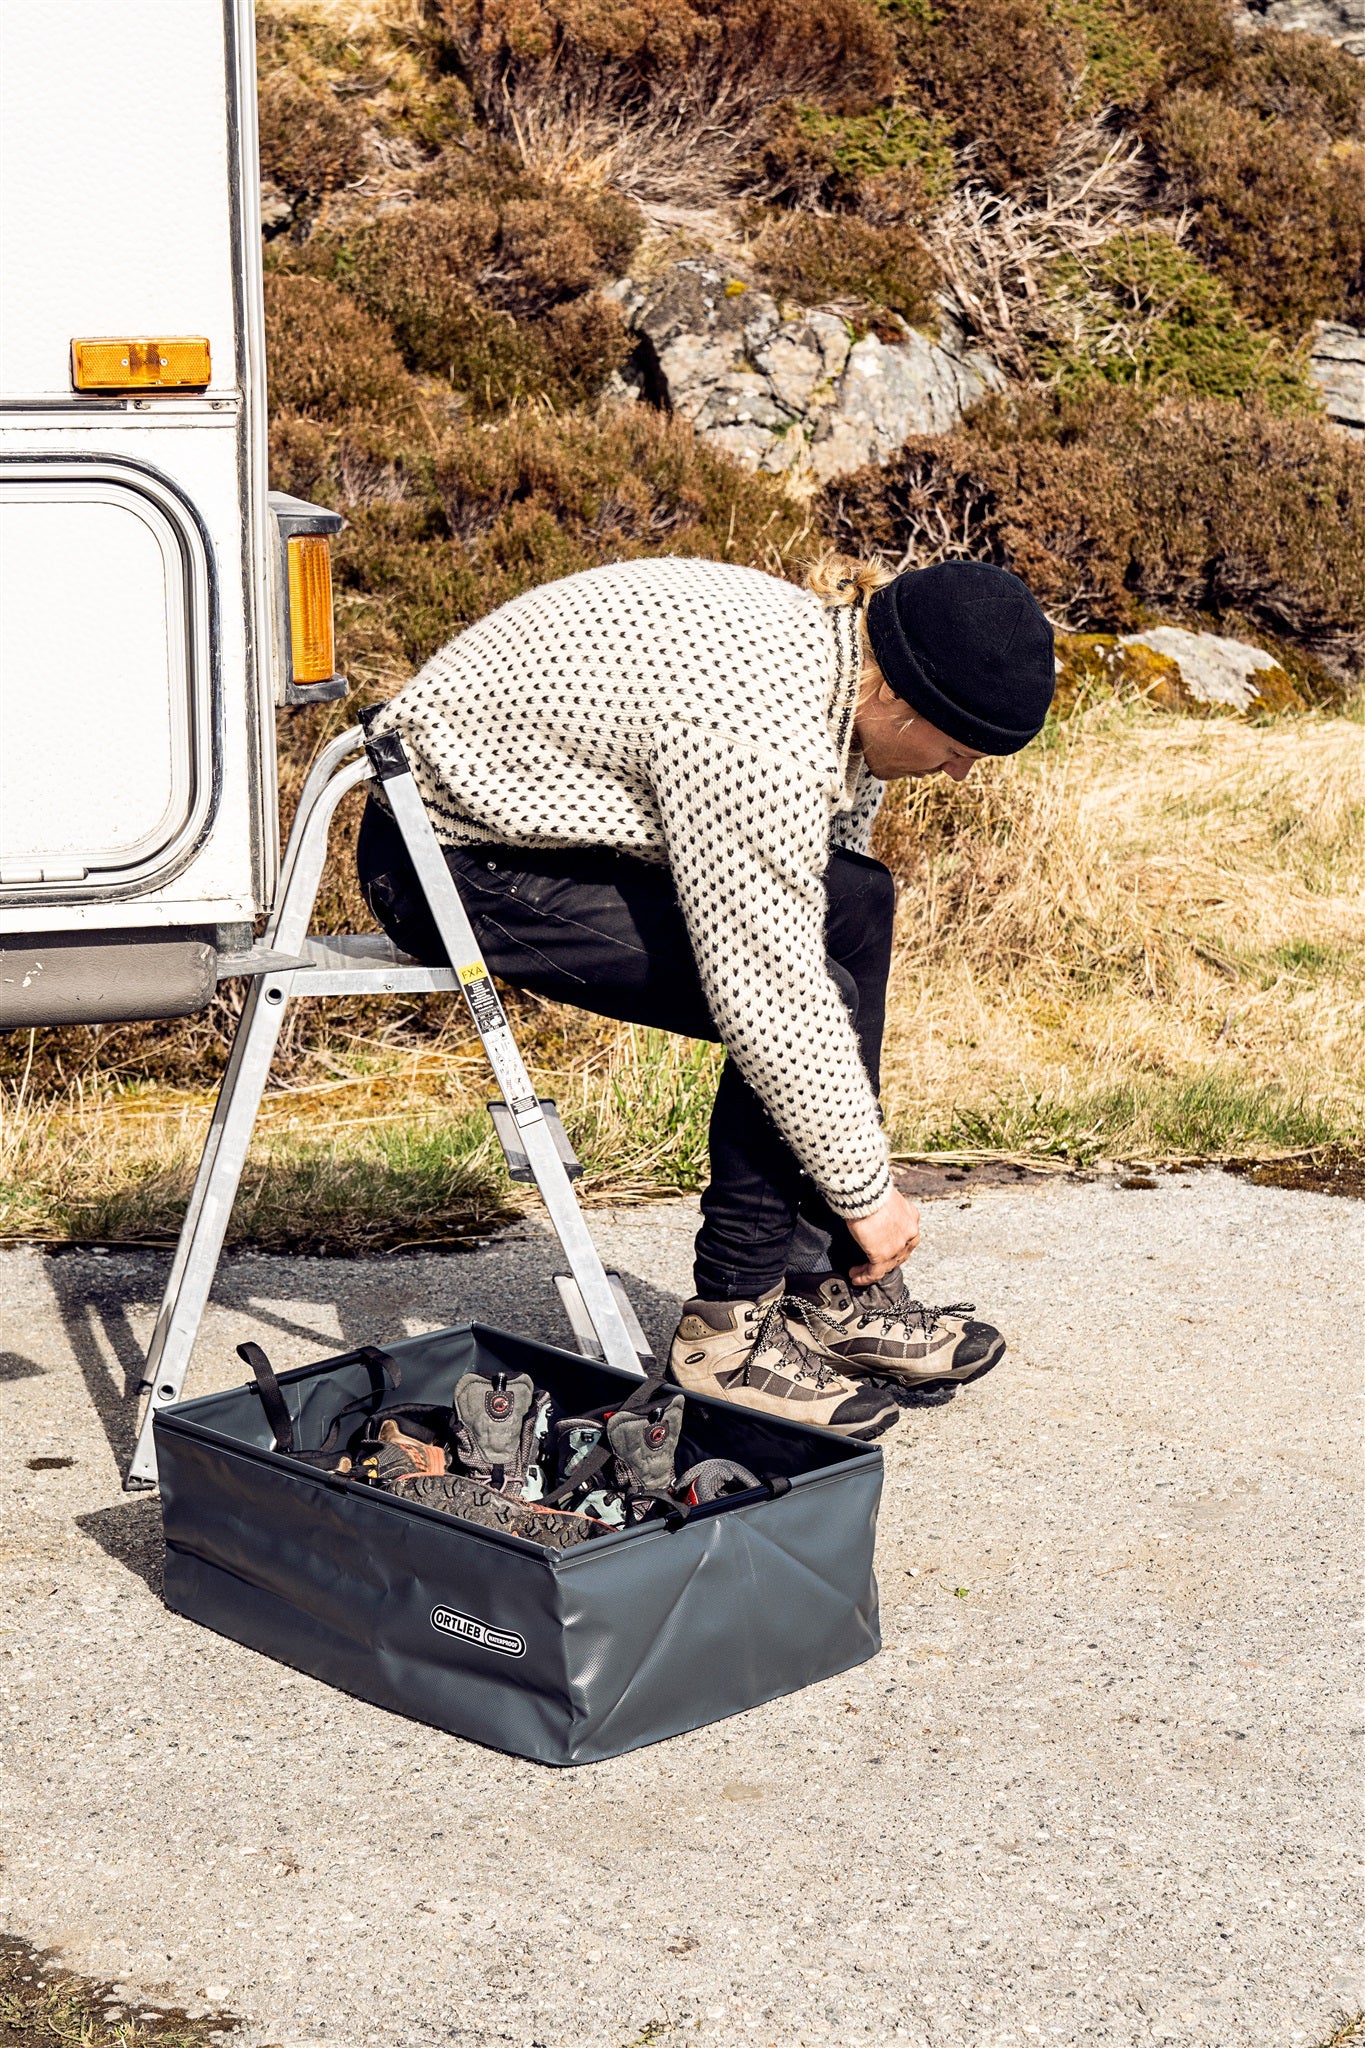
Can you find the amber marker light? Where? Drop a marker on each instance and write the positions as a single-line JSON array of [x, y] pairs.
[[141, 363], [312, 641]]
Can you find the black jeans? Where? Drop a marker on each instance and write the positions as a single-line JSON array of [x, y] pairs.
[[605, 932]]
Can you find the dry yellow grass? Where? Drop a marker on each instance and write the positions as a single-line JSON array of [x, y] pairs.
[[1147, 904], [1140, 939]]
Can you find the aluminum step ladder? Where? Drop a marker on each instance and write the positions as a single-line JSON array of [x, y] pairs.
[[287, 964]]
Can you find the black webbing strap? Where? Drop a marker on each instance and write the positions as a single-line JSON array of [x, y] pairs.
[[277, 1414], [272, 1400], [599, 1456]]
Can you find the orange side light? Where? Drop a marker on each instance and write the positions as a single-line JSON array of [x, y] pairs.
[[312, 641], [141, 363]]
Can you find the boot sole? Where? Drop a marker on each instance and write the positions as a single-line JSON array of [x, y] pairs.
[[890, 1378], [785, 1411], [964, 1380]]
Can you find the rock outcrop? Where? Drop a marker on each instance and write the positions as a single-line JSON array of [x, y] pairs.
[[1341, 21], [792, 391], [1337, 363], [1212, 670], [1172, 669]]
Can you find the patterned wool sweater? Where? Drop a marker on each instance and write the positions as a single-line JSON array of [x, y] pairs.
[[699, 715]]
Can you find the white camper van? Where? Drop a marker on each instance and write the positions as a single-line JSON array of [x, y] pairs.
[[156, 603]]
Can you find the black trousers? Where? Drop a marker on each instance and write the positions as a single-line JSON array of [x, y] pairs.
[[605, 932]]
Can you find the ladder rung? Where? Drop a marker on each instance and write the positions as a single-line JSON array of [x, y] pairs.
[[585, 1336], [509, 1137]]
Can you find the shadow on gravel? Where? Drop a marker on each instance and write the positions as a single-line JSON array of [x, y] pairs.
[[43, 2003], [93, 1306], [131, 1534], [14, 1366]]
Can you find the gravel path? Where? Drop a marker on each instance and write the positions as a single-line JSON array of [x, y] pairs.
[[1095, 1789]]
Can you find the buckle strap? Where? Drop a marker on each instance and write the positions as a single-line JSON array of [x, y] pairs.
[[595, 1460]]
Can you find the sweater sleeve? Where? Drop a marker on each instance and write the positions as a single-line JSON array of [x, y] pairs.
[[748, 840]]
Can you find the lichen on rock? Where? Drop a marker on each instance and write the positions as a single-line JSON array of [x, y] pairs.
[[1173, 669]]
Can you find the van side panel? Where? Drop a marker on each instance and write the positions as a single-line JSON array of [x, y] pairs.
[[129, 207], [114, 184]]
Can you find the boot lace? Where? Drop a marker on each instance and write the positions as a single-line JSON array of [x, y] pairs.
[[771, 1333], [914, 1315]]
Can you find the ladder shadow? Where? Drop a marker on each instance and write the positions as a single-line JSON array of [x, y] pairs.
[[509, 1285], [96, 1320]]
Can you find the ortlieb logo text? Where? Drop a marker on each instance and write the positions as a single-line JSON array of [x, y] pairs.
[[452, 1623]]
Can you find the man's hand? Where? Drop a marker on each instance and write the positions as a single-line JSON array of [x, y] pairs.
[[888, 1236]]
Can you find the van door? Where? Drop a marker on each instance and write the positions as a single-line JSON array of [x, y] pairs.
[[107, 690]]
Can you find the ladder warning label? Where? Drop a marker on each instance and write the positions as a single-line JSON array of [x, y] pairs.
[[482, 999]]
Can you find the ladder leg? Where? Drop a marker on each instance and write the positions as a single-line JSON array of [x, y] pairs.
[[189, 1226], [239, 1097], [201, 1240], [390, 764]]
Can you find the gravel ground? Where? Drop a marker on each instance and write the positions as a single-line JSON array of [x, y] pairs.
[[1095, 1789]]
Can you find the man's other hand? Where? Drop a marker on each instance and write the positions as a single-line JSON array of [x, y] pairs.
[[888, 1236]]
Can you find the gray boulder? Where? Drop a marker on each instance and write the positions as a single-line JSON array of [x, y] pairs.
[[793, 391], [1337, 363], [1340, 21], [1213, 670]]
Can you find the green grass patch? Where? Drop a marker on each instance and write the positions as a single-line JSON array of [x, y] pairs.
[[1214, 1116], [894, 138], [1143, 311], [1307, 956]]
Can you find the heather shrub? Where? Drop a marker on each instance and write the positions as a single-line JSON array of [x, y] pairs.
[[839, 259], [329, 359], [1195, 39], [495, 296], [998, 72], [1280, 222], [311, 142], [1110, 511], [665, 99], [582, 490], [1141, 310], [1302, 79], [838, 50]]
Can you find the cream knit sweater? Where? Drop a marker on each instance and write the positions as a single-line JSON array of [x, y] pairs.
[[701, 716]]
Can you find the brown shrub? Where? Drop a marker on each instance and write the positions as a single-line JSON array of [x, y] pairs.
[[665, 99], [838, 50], [999, 71], [1195, 38], [496, 297], [1109, 511], [1282, 224], [820, 259], [1302, 79], [311, 143], [328, 358]]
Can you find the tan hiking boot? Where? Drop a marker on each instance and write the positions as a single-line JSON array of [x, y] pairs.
[[747, 1352], [879, 1329]]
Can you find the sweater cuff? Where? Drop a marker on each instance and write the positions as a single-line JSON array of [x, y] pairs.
[[858, 1202]]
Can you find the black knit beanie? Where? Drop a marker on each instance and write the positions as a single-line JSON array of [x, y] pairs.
[[968, 647]]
